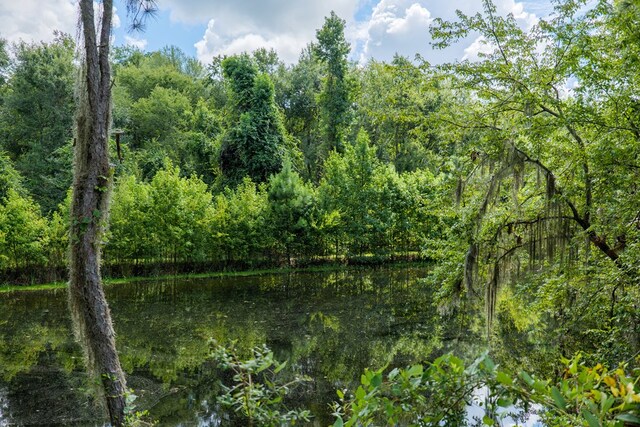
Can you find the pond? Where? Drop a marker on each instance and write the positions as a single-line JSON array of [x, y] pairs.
[[329, 325]]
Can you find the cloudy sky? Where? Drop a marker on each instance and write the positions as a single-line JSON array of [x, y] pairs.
[[205, 28]]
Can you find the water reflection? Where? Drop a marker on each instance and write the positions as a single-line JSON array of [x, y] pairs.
[[329, 325]]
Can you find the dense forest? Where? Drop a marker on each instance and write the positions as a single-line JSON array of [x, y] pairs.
[[517, 175]]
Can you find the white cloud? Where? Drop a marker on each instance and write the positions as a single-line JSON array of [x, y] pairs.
[[396, 26], [479, 46], [135, 42], [116, 23], [239, 16], [384, 27], [402, 26], [244, 25], [34, 20], [288, 46]]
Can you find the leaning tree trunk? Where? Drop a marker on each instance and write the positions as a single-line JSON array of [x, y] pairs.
[[89, 209]]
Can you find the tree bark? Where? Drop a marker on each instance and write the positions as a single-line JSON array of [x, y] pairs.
[[89, 209]]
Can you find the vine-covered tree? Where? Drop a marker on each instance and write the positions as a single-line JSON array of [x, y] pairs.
[[256, 141], [92, 177]]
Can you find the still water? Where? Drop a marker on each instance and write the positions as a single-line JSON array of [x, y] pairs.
[[329, 325]]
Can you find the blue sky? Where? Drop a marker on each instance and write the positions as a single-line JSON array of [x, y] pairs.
[[204, 28]]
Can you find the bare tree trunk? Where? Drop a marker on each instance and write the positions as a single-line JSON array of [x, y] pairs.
[[89, 211]]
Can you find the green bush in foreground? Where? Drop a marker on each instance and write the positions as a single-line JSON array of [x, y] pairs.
[[438, 393], [258, 389]]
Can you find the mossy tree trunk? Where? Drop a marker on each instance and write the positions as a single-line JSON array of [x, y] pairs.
[[89, 209]]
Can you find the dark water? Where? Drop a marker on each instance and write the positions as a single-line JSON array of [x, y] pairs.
[[330, 326]]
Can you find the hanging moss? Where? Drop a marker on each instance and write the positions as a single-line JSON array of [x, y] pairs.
[[545, 237]]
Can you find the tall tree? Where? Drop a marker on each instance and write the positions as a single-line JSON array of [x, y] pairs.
[[335, 99], [256, 141], [297, 99], [4, 61], [90, 202], [563, 160], [36, 126]]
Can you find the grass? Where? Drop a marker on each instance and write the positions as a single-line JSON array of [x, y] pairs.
[[210, 275]]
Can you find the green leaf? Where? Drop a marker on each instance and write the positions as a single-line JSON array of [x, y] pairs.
[[280, 367], [364, 379], [558, 399], [488, 421], [339, 422], [591, 419], [376, 381], [415, 370], [527, 378], [503, 402], [488, 362], [607, 402], [628, 418], [504, 379]]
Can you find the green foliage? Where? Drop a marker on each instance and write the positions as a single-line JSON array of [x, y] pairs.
[[155, 117], [162, 109], [415, 396], [10, 178], [57, 234], [258, 393], [334, 100], [167, 219], [440, 392], [4, 62], [22, 231], [139, 75], [130, 222], [37, 116], [297, 100], [238, 223], [256, 141], [368, 207], [291, 214], [393, 101]]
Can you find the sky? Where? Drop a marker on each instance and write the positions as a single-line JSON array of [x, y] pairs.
[[206, 28]]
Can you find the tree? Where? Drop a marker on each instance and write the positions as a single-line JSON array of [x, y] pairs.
[[22, 230], [393, 103], [290, 213], [238, 223], [335, 99], [256, 141], [160, 115], [130, 238], [550, 164], [351, 193], [179, 213], [36, 126], [297, 100], [90, 202], [10, 178], [4, 61]]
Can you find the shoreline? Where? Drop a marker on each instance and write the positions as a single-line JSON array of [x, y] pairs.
[[330, 266]]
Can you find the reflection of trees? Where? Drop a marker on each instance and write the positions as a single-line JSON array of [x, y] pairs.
[[329, 325], [30, 325]]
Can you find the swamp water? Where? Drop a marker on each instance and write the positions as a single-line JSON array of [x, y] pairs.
[[329, 325]]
